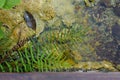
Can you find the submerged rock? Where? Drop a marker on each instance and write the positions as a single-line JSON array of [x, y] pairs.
[[105, 3], [116, 10], [68, 30], [116, 31]]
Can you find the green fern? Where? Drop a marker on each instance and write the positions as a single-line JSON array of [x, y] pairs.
[[49, 52], [32, 59]]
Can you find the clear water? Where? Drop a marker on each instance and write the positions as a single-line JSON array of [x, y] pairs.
[[86, 32]]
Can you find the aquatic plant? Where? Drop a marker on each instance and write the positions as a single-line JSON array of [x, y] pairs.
[[57, 48], [4, 37], [1, 32], [4, 34], [5, 4], [31, 60], [51, 51]]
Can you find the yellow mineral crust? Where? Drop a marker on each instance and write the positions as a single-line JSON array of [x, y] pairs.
[[47, 13], [95, 65], [65, 10]]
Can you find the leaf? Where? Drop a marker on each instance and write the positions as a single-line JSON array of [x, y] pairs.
[[2, 2], [11, 3]]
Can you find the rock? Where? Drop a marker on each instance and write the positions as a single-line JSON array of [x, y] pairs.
[[116, 31], [116, 10], [105, 3]]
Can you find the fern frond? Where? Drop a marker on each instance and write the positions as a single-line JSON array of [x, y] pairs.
[[51, 51], [31, 60]]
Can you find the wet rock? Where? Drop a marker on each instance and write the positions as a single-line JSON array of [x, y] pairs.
[[105, 3], [111, 50], [108, 51], [116, 10], [116, 31], [117, 56]]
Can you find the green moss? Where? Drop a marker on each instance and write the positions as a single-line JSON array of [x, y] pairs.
[[4, 37]]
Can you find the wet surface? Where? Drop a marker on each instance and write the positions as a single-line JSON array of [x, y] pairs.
[[99, 48], [116, 10], [116, 31], [104, 18]]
